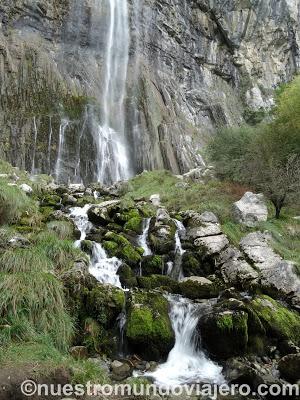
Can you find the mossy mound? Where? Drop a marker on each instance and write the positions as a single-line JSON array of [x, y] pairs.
[[225, 334], [191, 265], [279, 321], [152, 265], [149, 330], [127, 277], [199, 288], [159, 281], [118, 246]]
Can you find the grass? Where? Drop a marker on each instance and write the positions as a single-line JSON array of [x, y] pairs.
[[32, 304], [14, 204], [25, 260], [213, 196], [46, 359], [63, 229]]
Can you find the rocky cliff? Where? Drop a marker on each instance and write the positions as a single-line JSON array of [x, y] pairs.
[[194, 65]]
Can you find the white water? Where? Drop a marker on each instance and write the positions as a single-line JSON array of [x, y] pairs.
[[113, 164], [186, 364], [103, 268], [49, 144], [175, 270], [60, 153], [143, 238], [34, 145]]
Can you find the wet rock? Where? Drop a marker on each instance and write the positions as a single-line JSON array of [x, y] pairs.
[[69, 200], [224, 334], [162, 233], [148, 330], [120, 370], [251, 209], [196, 287], [102, 213], [289, 367]]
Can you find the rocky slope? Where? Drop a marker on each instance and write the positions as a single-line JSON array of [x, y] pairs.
[[193, 66]]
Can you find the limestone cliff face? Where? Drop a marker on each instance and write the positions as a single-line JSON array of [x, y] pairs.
[[194, 65]]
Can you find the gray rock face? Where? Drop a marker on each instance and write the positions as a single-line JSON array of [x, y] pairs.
[[251, 209], [193, 66], [275, 274]]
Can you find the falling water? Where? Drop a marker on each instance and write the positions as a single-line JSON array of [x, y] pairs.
[[175, 270], [49, 144], [101, 266], [113, 162], [104, 268], [60, 154], [186, 363], [34, 146], [143, 238]]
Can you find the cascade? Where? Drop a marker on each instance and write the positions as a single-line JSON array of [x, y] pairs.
[[101, 266], [186, 363], [175, 269], [143, 238], [112, 160], [49, 144], [60, 155], [34, 145]]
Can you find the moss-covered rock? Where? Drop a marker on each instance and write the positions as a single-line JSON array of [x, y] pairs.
[[152, 265], [127, 277], [198, 288], [225, 334], [148, 329], [159, 281], [191, 265], [134, 224], [51, 200], [118, 246], [279, 322]]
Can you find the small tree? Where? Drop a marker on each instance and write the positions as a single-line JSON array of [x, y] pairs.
[[278, 180]]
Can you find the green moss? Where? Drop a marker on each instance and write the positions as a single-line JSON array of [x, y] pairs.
[[277, 319], [121, 248], [159, 281], [148, 323], [134, 224], [114, 237], [194, 290], [111, 248], [152, 265], [130, 255]]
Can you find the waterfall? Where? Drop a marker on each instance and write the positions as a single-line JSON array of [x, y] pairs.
[[34, 145], [49, 144], [143, 238], [112, 162], [186, 364], [175, 270], [60, 153], [103, 268]]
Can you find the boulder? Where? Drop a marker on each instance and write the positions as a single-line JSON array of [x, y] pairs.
[[289, 367], [276, 275], [251, 209], [102, 213], [148, 330], [235, 269], [162, 233], [120, 370], [191, 264], [152, 265], [26, 188], [224, 333], [212, 245], [155, 200], [76, 188], [196, 287]]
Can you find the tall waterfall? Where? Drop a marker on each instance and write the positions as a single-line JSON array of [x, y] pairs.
[[112, 161], [186, 363]]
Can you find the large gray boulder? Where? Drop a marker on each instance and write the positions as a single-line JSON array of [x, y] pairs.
[[251, 209], [275, 274]]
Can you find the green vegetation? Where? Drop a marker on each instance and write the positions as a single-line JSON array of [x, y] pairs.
[[14, 203], [278, 320], [266, 156]]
